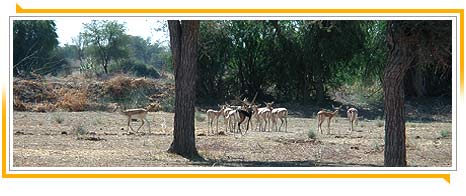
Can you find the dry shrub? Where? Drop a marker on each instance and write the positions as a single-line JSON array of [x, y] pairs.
[[72, 100], [18, 105], [154, 107], [30, 91], [44, 107], [118, 86]]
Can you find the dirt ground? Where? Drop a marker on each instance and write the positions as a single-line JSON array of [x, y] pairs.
[[52, 140]]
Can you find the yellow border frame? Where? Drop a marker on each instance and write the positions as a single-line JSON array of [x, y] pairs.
[[21, 10]]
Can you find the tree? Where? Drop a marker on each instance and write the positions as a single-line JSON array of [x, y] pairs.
[[183, 40], [411, 44], [107, 41], [34, 42]]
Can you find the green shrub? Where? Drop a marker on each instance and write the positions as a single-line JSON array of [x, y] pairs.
[[58, 118], [79, 130], [311, 134], [444, 133]]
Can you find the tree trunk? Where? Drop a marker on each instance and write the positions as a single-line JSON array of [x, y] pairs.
[[400, 58], [183, 40]]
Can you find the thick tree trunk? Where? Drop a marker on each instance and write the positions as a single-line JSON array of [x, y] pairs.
[[395, 145], [400, 58], [183, 40]]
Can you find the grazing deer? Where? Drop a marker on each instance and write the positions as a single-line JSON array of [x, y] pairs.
[[138, 113], [322, 115], [352, 114]]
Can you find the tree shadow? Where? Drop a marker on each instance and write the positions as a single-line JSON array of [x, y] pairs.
[[306, 163]]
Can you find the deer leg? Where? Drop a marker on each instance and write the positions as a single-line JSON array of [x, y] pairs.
[[142, 124], [319, 125], [148, 124], [129, 124], [328, 126], [286, 124], [281, 124], [216, 126]]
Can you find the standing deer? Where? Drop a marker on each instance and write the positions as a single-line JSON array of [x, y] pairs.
[[213, 115], [352, 114], [245, 112], [322, 115]]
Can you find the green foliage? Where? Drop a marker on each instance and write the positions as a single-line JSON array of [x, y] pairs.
[[283, 60], [106, 41], [137, 68], [35, 48]]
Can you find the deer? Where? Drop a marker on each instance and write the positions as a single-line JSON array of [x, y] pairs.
[[213, 115], [137, 113], [262, 115], [282, 114], [245, 112], [352, 114], [322, 115]]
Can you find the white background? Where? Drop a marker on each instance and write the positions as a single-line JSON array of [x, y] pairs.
[[228, 186]]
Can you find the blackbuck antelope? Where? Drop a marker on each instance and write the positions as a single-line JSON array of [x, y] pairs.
[[138, 113], [245, 112], [352, 114], [322, 115]]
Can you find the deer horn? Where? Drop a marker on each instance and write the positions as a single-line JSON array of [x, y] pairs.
[[253, 100]]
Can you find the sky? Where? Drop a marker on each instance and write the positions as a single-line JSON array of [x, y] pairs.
[[69, 27]]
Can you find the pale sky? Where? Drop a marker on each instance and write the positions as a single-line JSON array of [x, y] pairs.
[[69, 27]]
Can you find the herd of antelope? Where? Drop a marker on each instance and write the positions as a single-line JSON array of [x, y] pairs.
[[266, 118]]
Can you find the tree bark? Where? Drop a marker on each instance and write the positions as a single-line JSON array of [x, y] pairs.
[[183, 40], [401, 57]]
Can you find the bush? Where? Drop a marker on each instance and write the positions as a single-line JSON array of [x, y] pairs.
[[168, 104], [58, 118], [72, 100], [199, 116], [80, 131], [311, 134], [444, 133], [380, 122]]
